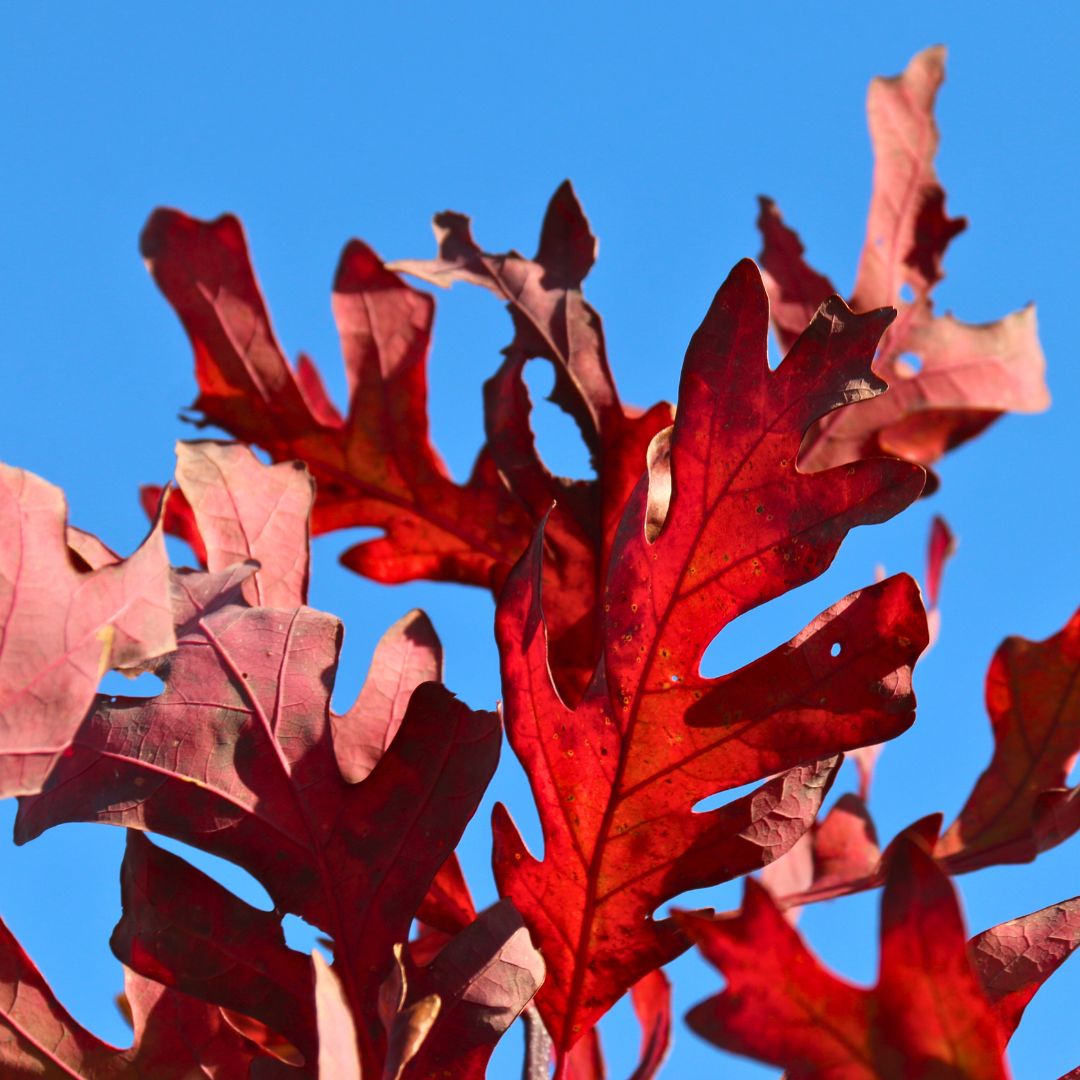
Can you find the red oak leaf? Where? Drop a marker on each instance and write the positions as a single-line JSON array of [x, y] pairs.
[[67, 615], [967, 375], [236, 756], [183, 929], [723, 523], [553, 321], [448, 909], [1020, 805], [376, 467], [1015, 958], [176, 1037], [927, 1016]]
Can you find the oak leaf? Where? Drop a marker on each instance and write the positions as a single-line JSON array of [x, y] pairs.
[[175, 1036], [236, 756], [724, 522], [928, 1014], [69, 611], [963, 377]]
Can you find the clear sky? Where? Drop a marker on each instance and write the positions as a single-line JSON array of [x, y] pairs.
[[362, 120]]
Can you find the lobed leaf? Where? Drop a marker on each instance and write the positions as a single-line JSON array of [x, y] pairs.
[[376, 466], [175, 1036], [1021, 805], [724, 522], [927, 1015], [67, 615], [966, 376], [236, 756], [1015, 958]]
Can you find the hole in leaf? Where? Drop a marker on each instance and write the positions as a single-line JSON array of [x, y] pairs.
[[906, 293], [836, 649], [558, 440], [303, 937], [145, 685], [908, 364]]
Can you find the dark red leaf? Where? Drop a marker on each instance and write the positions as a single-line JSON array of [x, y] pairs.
[[1020, 805], [62, 626], [725, 522], [376, 467], [176, 1037], [184, 930], [927, 1016], [551, 318]]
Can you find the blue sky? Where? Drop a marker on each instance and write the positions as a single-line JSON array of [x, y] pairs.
[[363, 120]]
